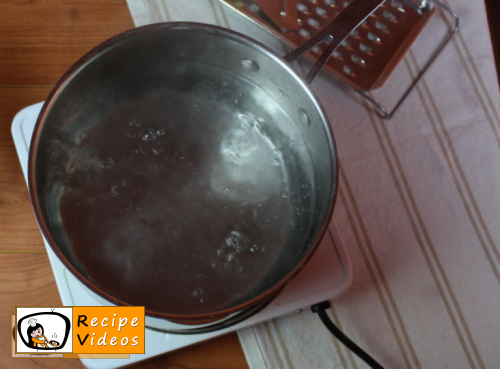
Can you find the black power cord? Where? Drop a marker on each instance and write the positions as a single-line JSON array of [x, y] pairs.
[[321, 308]]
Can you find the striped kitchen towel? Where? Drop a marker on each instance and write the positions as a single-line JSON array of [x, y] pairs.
[[418, 205]]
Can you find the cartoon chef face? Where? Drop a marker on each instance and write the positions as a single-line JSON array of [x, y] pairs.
[[37, 333]]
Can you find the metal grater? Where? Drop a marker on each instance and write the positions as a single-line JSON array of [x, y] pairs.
[[368, 56]]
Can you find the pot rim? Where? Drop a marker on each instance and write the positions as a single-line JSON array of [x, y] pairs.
[[89, 57]]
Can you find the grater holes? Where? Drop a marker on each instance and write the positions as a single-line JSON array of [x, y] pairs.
[[321, 12], [390, 16], [313, 1], [373, 37], [349, 71], [398, 6], [345, 3], [254, 8], [317, 49], [337, 54], [358, 60], [330, 3], [313, 22], [382, 27], [365, 48], [355, 34], [346, 44], [305, 33], [303, 9]]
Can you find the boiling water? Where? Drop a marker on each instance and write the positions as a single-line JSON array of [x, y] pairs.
[[184, 199]]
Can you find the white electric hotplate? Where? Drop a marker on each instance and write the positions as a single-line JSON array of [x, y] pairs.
[[327, 275]]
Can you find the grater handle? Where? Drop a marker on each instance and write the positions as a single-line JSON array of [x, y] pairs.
[[336, 31]]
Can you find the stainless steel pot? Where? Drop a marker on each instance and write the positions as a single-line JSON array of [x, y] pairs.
[[186, 168]]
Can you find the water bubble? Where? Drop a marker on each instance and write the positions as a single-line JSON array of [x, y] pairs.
[[284, 195], [133, 122], [226, 190], [230, 256], [197, 293], [254, 248], [156, 151], [160, 132], [237, 145], [275, 162], [237, 240], [114, 193], [82, 136], [148, 134], [220, 253], [263, 249], [241, 270]]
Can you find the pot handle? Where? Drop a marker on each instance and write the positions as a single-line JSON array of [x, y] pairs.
[[337, 31]]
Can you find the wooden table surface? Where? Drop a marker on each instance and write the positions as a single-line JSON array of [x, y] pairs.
[[39, 41]]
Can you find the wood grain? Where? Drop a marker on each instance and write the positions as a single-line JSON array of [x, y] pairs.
[[39, 41], [18, 229]]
